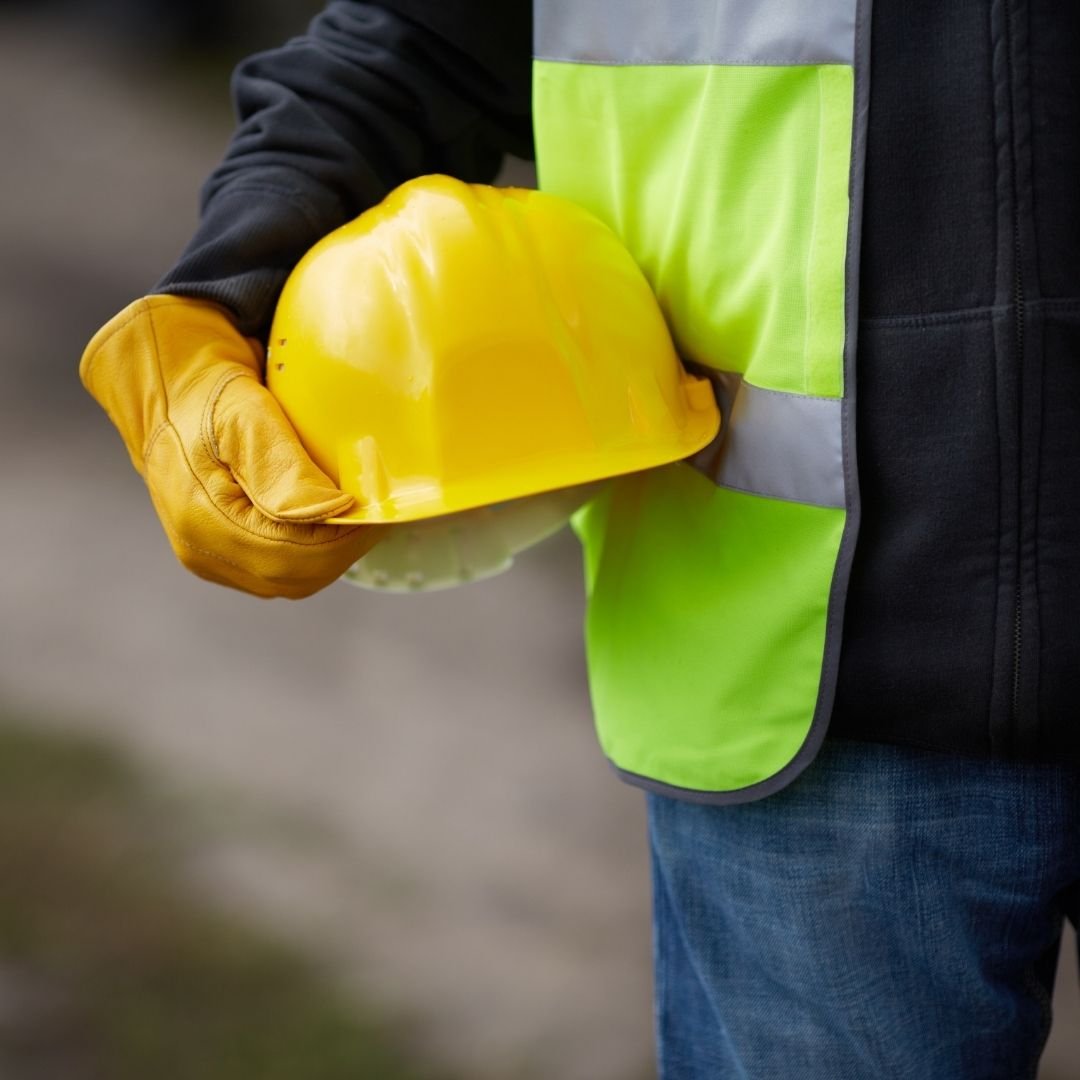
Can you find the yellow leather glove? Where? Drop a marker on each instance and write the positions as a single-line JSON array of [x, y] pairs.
[[237, 494]]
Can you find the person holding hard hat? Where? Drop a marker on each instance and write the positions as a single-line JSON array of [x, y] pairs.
[[830, 635]]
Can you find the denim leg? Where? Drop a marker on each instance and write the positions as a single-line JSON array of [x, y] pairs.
[[893, 913]]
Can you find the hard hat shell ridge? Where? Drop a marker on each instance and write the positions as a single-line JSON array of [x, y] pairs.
[[461, 345]]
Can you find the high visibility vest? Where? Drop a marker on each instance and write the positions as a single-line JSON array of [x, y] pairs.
[[723, 141]]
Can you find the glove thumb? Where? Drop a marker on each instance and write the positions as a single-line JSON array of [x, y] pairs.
[[253, 439]]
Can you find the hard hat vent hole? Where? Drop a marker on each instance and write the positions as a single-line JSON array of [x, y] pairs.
[[283, 341], [281, 367]]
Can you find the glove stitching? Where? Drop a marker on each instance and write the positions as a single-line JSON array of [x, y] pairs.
[[152, 441], [242, 527], [209, 435], [252, 532], [91, 360], [286, 581], [168, 424], [308, 519], [244, 574], [136, 311], [210, 443], [163, 386]]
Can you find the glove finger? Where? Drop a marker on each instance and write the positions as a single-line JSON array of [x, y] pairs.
[[250, 436], [244, 550], [119, 369]]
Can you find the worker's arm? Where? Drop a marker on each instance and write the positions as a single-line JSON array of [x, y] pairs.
[[372, 95]]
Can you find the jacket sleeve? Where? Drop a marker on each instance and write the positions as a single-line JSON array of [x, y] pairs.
[[370, 96]]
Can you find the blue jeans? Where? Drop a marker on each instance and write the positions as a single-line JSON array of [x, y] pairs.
[[892, 915]]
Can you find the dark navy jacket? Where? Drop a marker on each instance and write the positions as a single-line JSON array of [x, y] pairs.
[[961, 621]]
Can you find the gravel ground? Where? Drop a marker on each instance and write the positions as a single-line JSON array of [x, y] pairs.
[[408, 785]]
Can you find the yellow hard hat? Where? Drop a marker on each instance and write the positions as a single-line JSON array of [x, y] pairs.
[[460, 345]]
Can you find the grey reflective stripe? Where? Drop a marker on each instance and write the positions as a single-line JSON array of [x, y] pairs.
[[754, 32], [784, 446], [838, 594]]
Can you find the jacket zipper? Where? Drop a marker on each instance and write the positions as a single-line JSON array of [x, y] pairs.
[[1018, 300], [1018, 598]]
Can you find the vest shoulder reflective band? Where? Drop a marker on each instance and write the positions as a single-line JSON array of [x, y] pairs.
[[722, 140]]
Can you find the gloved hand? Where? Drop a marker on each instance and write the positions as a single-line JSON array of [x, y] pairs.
[[237, 494]]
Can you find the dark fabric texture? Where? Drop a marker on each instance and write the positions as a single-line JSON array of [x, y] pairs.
[[372, 95], [959, 622]]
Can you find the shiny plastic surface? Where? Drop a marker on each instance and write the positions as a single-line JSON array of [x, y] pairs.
[[460, 345]]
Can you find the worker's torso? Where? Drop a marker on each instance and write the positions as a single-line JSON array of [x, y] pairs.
[[960, 627], [723, 152]]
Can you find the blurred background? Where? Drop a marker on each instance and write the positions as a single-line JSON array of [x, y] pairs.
[[358, 836]]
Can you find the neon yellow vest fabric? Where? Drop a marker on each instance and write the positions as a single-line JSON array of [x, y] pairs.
[[722, 141]]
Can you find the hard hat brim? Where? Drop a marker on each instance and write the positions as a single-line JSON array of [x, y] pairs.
[[522, 479]]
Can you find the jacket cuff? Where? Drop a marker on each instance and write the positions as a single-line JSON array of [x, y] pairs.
[[250, 237]]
